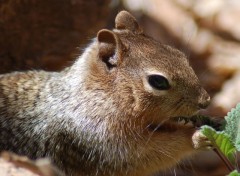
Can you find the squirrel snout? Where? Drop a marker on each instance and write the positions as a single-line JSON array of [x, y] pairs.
[[204, 100]]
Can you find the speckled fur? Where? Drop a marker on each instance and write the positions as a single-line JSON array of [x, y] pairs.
[[92, 121]]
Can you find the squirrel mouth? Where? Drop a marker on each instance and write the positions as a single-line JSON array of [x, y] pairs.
[[175, 123], [172, 124]]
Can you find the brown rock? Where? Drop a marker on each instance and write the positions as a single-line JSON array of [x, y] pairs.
[[45, 34]]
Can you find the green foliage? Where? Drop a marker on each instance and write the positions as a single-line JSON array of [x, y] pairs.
[[232, 127], [234, 173], [227, 141], [221, 141]]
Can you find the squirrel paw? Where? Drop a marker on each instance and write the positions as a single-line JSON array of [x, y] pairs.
[[200, 141]]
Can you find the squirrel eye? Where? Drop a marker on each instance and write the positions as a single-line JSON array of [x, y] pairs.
[[158, 82]]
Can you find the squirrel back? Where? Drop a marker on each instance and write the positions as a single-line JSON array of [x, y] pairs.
[[111, 112]]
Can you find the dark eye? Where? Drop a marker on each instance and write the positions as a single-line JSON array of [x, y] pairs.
[[158, 82]]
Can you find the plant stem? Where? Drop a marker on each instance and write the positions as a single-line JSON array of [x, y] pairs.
[[224, 159]]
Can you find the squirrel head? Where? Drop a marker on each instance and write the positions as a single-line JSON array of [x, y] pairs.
[[143, 75]]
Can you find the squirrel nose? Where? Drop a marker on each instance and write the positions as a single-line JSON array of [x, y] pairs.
[[204, 101]]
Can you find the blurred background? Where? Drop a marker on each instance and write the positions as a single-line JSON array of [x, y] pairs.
[[50, 35]]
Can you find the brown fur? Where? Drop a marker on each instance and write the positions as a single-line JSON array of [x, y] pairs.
[[93, 118]]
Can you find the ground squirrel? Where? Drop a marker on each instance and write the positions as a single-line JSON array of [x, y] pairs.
[[110, 113]]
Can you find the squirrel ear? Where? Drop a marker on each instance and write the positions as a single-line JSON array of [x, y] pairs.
[[109, 44], [124, 20]]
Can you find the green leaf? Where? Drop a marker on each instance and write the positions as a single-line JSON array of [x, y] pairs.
[[232, 127], [234, 173], [220, 140], [227, 141]]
